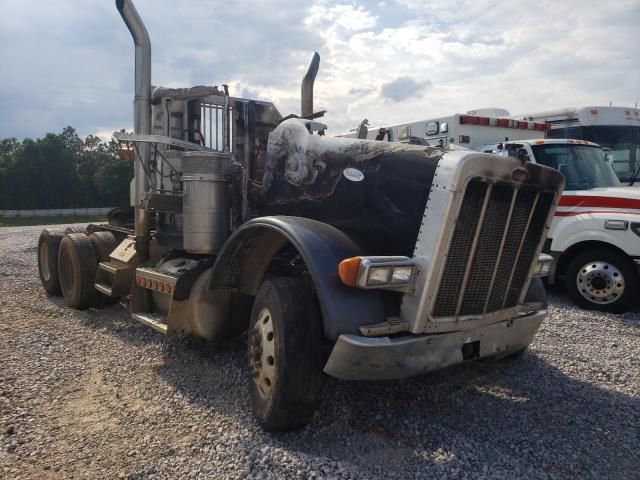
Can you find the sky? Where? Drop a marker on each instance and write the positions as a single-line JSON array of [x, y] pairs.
[[71, 62]]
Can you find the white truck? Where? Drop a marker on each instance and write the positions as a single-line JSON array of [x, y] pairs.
[[614, 128], [595, 233]]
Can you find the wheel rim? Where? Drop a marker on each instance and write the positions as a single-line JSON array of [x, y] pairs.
[[600, 282], [262, 354], [45, 268]]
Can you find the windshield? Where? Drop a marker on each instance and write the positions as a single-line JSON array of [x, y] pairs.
[[624, 142], [583, 166]]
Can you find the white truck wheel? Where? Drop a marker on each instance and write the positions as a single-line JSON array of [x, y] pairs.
[[602, 279]]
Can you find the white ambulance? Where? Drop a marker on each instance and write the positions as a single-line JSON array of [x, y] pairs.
[[470, 130], [595, 234]]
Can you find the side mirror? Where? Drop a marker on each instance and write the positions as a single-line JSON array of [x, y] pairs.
[[522, 155]]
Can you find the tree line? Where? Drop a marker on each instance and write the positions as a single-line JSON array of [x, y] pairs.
[[62, 171]]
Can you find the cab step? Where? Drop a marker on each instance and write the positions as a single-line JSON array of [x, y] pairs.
[[153, 320], [113, 278]]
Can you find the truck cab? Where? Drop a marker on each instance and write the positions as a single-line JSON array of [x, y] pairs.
[[595, 233]]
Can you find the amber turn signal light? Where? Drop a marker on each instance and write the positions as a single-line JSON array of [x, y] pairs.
[[348, 270]]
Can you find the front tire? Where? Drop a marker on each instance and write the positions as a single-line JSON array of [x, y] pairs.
[[285, 355], [602, 279]]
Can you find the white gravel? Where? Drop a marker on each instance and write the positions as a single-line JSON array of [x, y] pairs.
[[93, 395]]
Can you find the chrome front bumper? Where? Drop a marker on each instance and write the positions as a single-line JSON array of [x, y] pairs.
[[383, 358]]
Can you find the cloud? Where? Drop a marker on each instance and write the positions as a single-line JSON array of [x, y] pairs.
[[71, 63], [403, 88]]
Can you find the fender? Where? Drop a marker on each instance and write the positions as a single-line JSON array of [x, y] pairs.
[[246, 255], [567, 231]]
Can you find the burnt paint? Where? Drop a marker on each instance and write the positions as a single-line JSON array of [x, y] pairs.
[[385, 208]]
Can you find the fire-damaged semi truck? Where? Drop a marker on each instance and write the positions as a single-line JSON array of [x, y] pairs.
[[351, 258]]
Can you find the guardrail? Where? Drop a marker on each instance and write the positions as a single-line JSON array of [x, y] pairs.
[[54, 212]]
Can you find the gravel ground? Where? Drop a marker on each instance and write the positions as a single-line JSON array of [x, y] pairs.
[[93, 395]]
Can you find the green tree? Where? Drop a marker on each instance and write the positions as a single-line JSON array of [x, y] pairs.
[[62, 171]]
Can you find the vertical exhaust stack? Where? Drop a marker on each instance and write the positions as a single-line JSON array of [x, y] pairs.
[[306, 89], [141, 115]]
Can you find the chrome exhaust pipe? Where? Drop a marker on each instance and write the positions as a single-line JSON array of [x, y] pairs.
[[306, 89], [141, 116]]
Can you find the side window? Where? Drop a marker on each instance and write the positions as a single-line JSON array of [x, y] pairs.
[[404, 132], [621, 158], [431, 128]]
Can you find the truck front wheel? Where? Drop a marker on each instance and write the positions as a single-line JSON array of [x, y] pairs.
[[602, 279], [285, 355]]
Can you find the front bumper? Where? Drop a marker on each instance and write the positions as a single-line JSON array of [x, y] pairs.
[[383, 358]]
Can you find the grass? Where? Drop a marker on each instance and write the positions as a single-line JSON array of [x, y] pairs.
[[59, 220]]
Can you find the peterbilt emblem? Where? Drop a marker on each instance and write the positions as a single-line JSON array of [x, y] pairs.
[[353, 174]]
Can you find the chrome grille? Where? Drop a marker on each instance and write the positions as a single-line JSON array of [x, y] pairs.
[[496, 235]]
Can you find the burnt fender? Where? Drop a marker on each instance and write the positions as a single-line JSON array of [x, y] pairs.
[[246, 255]]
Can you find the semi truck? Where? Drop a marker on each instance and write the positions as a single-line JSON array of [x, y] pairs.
[[352, 258], [595, 233]]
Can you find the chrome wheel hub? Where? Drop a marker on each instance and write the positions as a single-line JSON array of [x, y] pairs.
[[600, 282], [44, 261], [262, 354]]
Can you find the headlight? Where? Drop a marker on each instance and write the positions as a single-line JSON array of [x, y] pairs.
[[543, 266], [393, 273], [378, 276], [401, 275]]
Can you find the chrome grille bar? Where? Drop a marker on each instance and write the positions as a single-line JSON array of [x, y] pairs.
[[502, 242], [474, 246], [524, 235]]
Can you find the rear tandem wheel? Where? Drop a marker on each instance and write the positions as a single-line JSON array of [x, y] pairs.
[[77, 264], [48, 246]]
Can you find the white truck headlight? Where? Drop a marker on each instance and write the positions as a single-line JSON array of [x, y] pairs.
[[543, 265]]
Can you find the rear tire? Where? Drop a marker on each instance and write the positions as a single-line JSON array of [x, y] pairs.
[[285, 355], [602, 279], [75, 230], [103, 243], [77, 264], [48, 246]]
